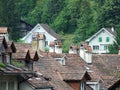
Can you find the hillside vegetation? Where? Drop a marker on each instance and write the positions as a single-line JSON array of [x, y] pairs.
[[82, 18]]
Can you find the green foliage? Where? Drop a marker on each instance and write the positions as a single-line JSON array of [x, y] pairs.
[[20, 40], [80, 17], [67, 40], [113, 49], [17, 63], [46, 49], [2, 65]]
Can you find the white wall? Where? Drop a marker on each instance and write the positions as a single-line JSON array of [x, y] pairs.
[[42, 45], [85, 55], [52, 49], [39, 29], [72, 51], [95, 41], [58, 49]]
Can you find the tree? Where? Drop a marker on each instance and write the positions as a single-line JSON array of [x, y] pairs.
[[10, 17]]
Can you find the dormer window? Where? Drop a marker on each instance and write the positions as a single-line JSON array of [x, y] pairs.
[[61, 60]]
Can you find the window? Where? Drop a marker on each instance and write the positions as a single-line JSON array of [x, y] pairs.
[[7, 85], [46, 43], [100, 39], [105, 47], [2, 85], [82, 86], [96, 47], [107, 39]]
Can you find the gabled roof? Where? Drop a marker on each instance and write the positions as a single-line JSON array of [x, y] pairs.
[[25, 51], [50, 31], [3, 30], [47, 29], [109, 30]]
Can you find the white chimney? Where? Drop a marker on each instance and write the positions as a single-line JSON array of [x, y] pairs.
[[86, 54], [112, 29]]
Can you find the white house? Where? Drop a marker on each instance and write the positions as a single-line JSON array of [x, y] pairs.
[[100, 41], [45, 30]]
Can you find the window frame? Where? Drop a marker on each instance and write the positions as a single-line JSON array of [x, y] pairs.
[[96, 47], [100, 39], [107, 39]]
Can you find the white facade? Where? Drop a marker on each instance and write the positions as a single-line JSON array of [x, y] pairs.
[[100, 41], [40, 29], [85, 55], [52, 49]]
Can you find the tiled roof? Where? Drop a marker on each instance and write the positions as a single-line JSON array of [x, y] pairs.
[[23, 49], [107, 66], [10, 69], [72, 70], [49, 68], [50, 31], [3, 30], [39, 82], [86, 46]]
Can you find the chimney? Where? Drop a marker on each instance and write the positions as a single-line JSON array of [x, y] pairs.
[[86, 53], [112, 29]]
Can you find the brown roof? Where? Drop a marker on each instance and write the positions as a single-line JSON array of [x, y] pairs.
[[10, 69], [86, 46], [107, 67], [3, 29], [49, 68], [72, 70], [23, 50], [50, 31], [39, 82]]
